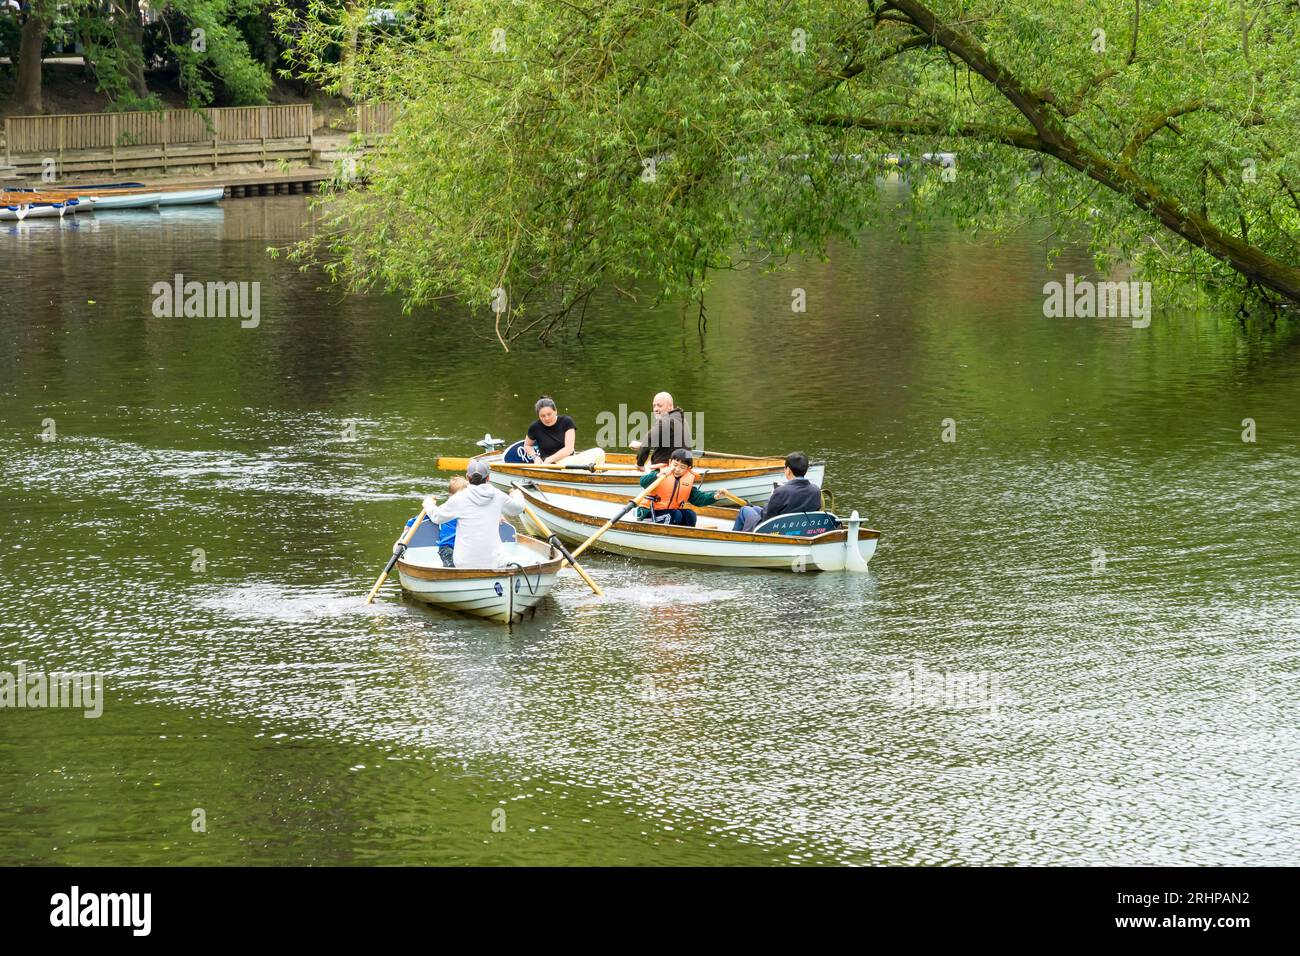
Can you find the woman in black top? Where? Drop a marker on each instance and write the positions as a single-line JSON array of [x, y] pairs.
[[551, 438]]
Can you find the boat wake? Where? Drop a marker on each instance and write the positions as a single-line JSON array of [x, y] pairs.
[[267, 602], [654, 595]]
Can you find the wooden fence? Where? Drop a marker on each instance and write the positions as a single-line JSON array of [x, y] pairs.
[[48, 134], [85, 141], [374, 119]]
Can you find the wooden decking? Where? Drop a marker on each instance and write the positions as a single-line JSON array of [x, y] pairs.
[[251, 150], [236, 185]]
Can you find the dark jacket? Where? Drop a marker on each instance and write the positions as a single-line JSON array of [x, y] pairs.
[[794, 496], [666, 435], [701, 499]]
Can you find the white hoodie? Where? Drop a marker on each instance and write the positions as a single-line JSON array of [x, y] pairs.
[[477, 511]]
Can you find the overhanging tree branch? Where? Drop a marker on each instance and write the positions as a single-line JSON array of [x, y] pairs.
[[1251, 262]]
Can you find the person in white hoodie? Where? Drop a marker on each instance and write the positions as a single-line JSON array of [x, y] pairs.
[[478, 511]]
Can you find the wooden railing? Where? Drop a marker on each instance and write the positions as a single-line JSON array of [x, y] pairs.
[[50, 134], [374, 119]]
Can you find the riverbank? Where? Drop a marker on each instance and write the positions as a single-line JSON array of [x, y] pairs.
[[237, 181], [78, 138], [305, 179], [65, 88]]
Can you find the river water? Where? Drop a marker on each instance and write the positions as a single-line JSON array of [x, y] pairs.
[[1077, 643]]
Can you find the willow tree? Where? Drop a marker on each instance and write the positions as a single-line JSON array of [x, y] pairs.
[[545, 147]]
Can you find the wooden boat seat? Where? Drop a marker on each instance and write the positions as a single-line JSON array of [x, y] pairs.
[[426, 536], [514, 455], [803, 524]]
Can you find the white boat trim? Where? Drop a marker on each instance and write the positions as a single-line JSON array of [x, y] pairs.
[[574, 514]]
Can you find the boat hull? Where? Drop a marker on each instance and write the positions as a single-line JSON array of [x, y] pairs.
[[506, 595], [747, 477], [575, 516], [127, 201], [190, 197], [117, 196], [41, 211]]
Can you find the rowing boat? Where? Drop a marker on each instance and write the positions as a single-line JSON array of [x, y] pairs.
[[43, 203], [24, 211], [504, 594], [810, 541], [751, 477], [133, 195], [190, 197], [39, 207], [132, 200]]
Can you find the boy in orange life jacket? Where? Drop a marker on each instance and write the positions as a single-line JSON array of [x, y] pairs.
[[675, 492]]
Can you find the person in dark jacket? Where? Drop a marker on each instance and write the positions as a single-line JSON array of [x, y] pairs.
[[796, 495], [679, 488], [667, 432]]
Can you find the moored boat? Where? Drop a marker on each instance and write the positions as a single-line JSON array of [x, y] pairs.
[[810, 541], [506, 594], [23, 210], [189, 197], [750, 477], [132, 195], [127, 200]]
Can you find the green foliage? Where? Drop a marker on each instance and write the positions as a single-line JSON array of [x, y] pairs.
[[114, 58], [211, 48], [202, 40], [546, 146], [10, 37]]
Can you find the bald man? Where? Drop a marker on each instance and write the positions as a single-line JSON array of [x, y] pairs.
[[667, 433]]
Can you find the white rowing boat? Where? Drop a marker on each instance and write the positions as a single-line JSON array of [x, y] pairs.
[[506, 594], [135, 196], [127, 200], [22, 211], [190, 197], [811, 541], [751, 477]]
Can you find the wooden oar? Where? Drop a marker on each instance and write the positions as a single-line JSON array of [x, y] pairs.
[[568, 558], [630, 505], [728, 494], [460, 464], [452, 464], [397, 553]]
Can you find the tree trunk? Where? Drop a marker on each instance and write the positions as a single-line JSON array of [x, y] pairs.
[[130, 40], [27, 96], [87, 63], [348, 53]]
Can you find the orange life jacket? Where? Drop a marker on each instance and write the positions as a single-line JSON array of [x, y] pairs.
[[672, 492]]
